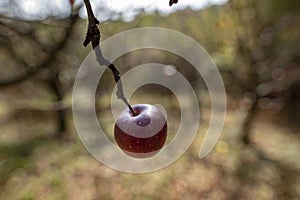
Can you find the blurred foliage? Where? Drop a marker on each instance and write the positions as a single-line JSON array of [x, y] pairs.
[[255, 44]]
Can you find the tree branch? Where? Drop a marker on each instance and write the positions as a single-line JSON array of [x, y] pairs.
[[43, 64], [172, 2], [93, 36]]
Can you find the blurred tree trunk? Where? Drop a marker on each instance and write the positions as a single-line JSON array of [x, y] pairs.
[[267, 51]]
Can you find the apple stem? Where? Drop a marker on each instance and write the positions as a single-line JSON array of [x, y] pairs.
[[129, 106], [131, 109], [120, 91]]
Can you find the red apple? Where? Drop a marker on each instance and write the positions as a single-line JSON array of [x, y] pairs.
[[141, 135]]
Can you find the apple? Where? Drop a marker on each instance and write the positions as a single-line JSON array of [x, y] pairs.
[[142, 134]]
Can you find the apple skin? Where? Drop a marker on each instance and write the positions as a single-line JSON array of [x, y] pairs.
[[143, 135]]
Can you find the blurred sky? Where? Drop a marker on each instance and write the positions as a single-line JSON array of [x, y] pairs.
[[104, 9]]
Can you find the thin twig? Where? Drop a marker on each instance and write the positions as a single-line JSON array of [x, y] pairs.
[[93, 36]]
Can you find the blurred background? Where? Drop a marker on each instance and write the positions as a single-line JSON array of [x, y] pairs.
[[256, 46]]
